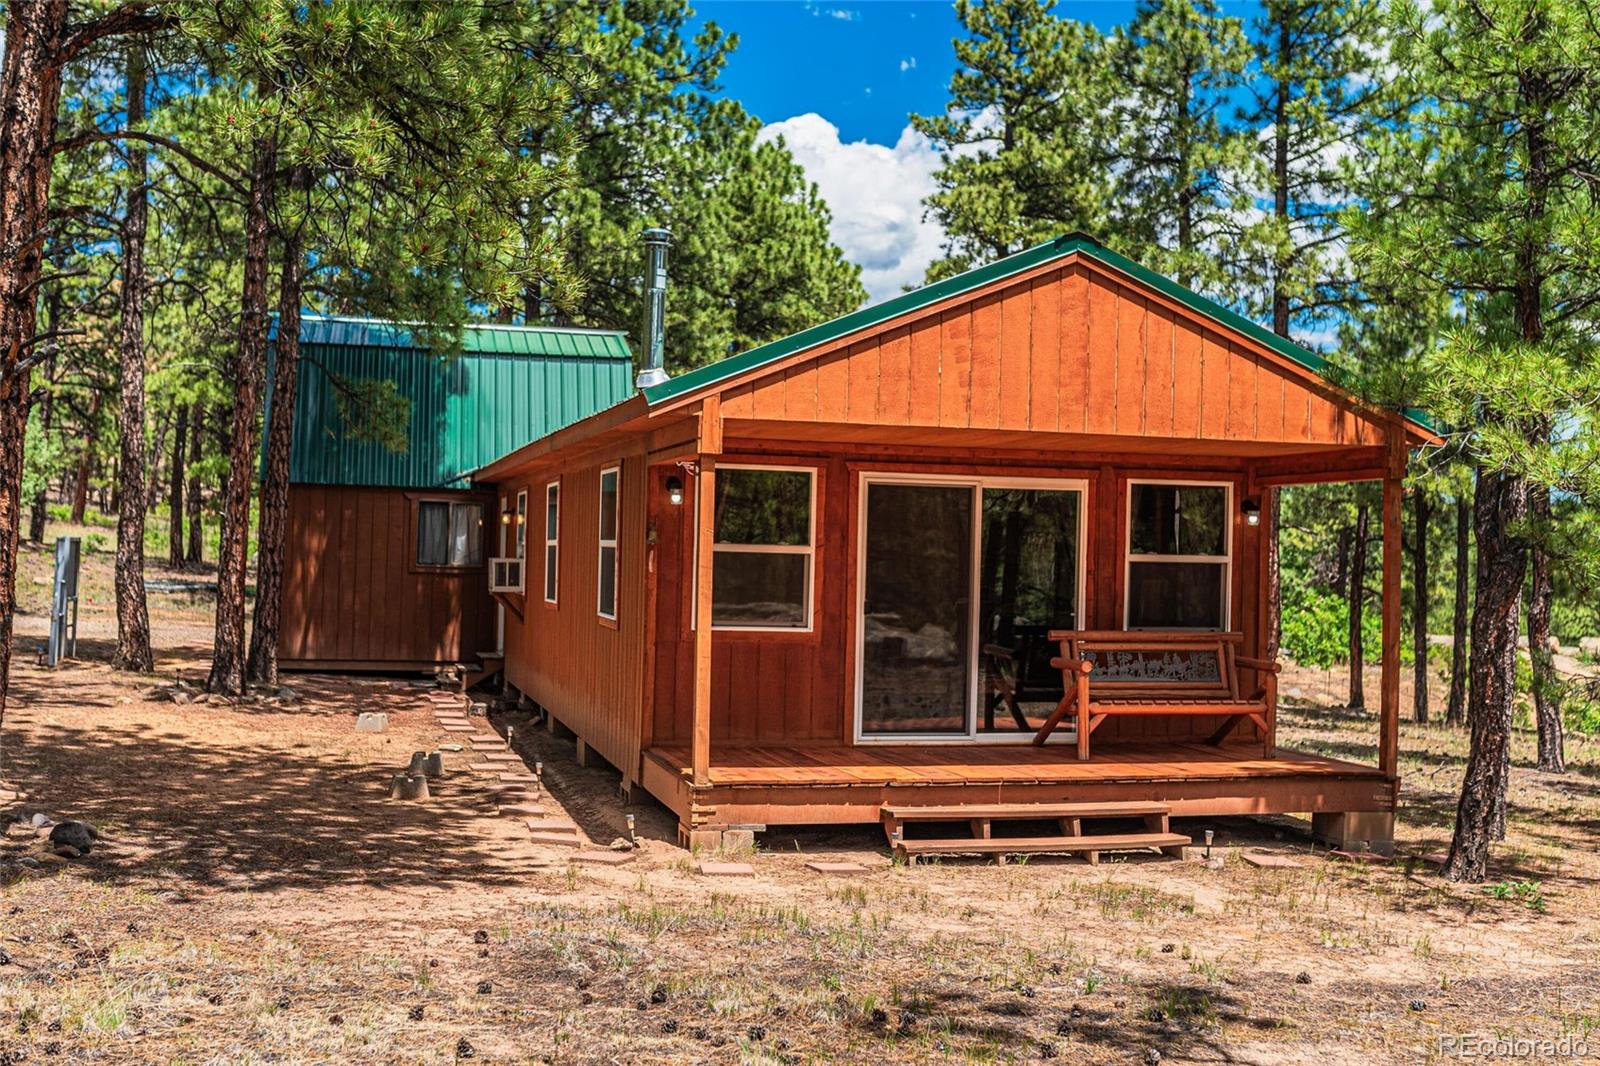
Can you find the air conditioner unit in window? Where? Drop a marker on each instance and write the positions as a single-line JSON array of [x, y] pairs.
[[505, 575]]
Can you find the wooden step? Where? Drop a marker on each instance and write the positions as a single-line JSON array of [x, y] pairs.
[[1090, 845], [1023, 811]]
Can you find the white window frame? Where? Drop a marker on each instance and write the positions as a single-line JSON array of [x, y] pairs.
[[809, 550], [604, 543], [552, 544], [1066, 733], [1225, 560], [522, 524]]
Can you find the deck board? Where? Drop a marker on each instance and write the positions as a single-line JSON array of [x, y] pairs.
[[998, 764]]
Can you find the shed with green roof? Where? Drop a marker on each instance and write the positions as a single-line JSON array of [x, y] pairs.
[[388, 538]]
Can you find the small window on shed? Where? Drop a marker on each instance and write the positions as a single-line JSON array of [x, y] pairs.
[[449, 534]]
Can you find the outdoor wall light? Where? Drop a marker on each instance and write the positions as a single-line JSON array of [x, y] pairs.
[[1252, 512], [675, 491]]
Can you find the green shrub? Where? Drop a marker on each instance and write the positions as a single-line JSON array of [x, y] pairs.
[[1316, 627]]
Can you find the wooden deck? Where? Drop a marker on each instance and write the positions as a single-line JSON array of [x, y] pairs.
[[836, 784]]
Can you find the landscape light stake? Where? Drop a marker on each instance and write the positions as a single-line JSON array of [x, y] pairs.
[[510, 729], [1210, 835], [632, 838]]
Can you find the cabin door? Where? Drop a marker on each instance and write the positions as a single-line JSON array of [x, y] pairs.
[[961, 580]]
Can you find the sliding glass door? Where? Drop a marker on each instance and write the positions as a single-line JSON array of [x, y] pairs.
[[916, 615], [961, 581]]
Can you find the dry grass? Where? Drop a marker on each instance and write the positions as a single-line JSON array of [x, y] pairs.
[[257, 900]]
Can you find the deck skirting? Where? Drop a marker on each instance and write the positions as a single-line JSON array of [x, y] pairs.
[[849, 785]]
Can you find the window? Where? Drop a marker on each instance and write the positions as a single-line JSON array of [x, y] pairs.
[[522, 524], [449, 534], [1178, 550], [762, 548], [609, 481], [552, 530]]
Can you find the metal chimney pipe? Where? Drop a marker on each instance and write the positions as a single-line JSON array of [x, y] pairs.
[[652, 369]]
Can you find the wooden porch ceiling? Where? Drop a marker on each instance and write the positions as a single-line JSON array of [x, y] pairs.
[[994, 764]]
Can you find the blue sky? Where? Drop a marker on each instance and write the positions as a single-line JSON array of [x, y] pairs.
[[837, 80]]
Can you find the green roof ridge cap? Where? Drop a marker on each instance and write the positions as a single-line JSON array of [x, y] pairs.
[[1055, 248]]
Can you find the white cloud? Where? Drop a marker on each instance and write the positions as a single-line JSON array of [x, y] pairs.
[[841, 13], [875, 192], [909, 63]]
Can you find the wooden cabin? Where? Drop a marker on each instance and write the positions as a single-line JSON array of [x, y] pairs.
[[991, 549], [387, 543]]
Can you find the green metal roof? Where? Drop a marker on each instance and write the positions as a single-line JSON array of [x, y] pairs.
[[978, 277], [509, 385]]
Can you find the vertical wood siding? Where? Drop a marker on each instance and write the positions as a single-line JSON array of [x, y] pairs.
[[586, 670], [1072, 351], [351, 593], [799, 688]]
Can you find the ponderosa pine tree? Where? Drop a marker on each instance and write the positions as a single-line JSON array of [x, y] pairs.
[[752, 258], [445, 93], [1027, 137], [133, 615], [42, 38], [1505, 223], [1316, 93], [1184, 171]]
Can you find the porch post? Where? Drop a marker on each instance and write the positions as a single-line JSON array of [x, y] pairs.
[[710, 445], [1389, 737]]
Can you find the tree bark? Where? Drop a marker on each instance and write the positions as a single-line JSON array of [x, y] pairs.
[[228, 656], [1500, 507], [1546, 685], [39, 512], [180, 442], [1280, 176], [1456, 710], [1422, 512], [30, 87], [1499, 504], [80, 478], [1269, 507], [263, 663], [193, 554], [1356, 593], [133, 614]]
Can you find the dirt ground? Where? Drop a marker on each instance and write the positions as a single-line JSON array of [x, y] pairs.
[[257, 898]]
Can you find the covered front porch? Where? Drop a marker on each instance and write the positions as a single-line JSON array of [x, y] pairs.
[[857, 709]]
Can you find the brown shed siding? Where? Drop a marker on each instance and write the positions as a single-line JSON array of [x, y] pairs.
[[586, 670], [1070, 351], [352, 594]]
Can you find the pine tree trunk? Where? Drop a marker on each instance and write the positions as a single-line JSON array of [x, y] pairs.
[[180, 442], [1269, 507], [80, 479], [194, 555], [30, 86], [228, 655], [1456, 710], [154, 490], [1356, 593], [1546, 685], [263, 663], [133, 614], [1280, 176], [1419, 606], [1499, 504], [39, 512]]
